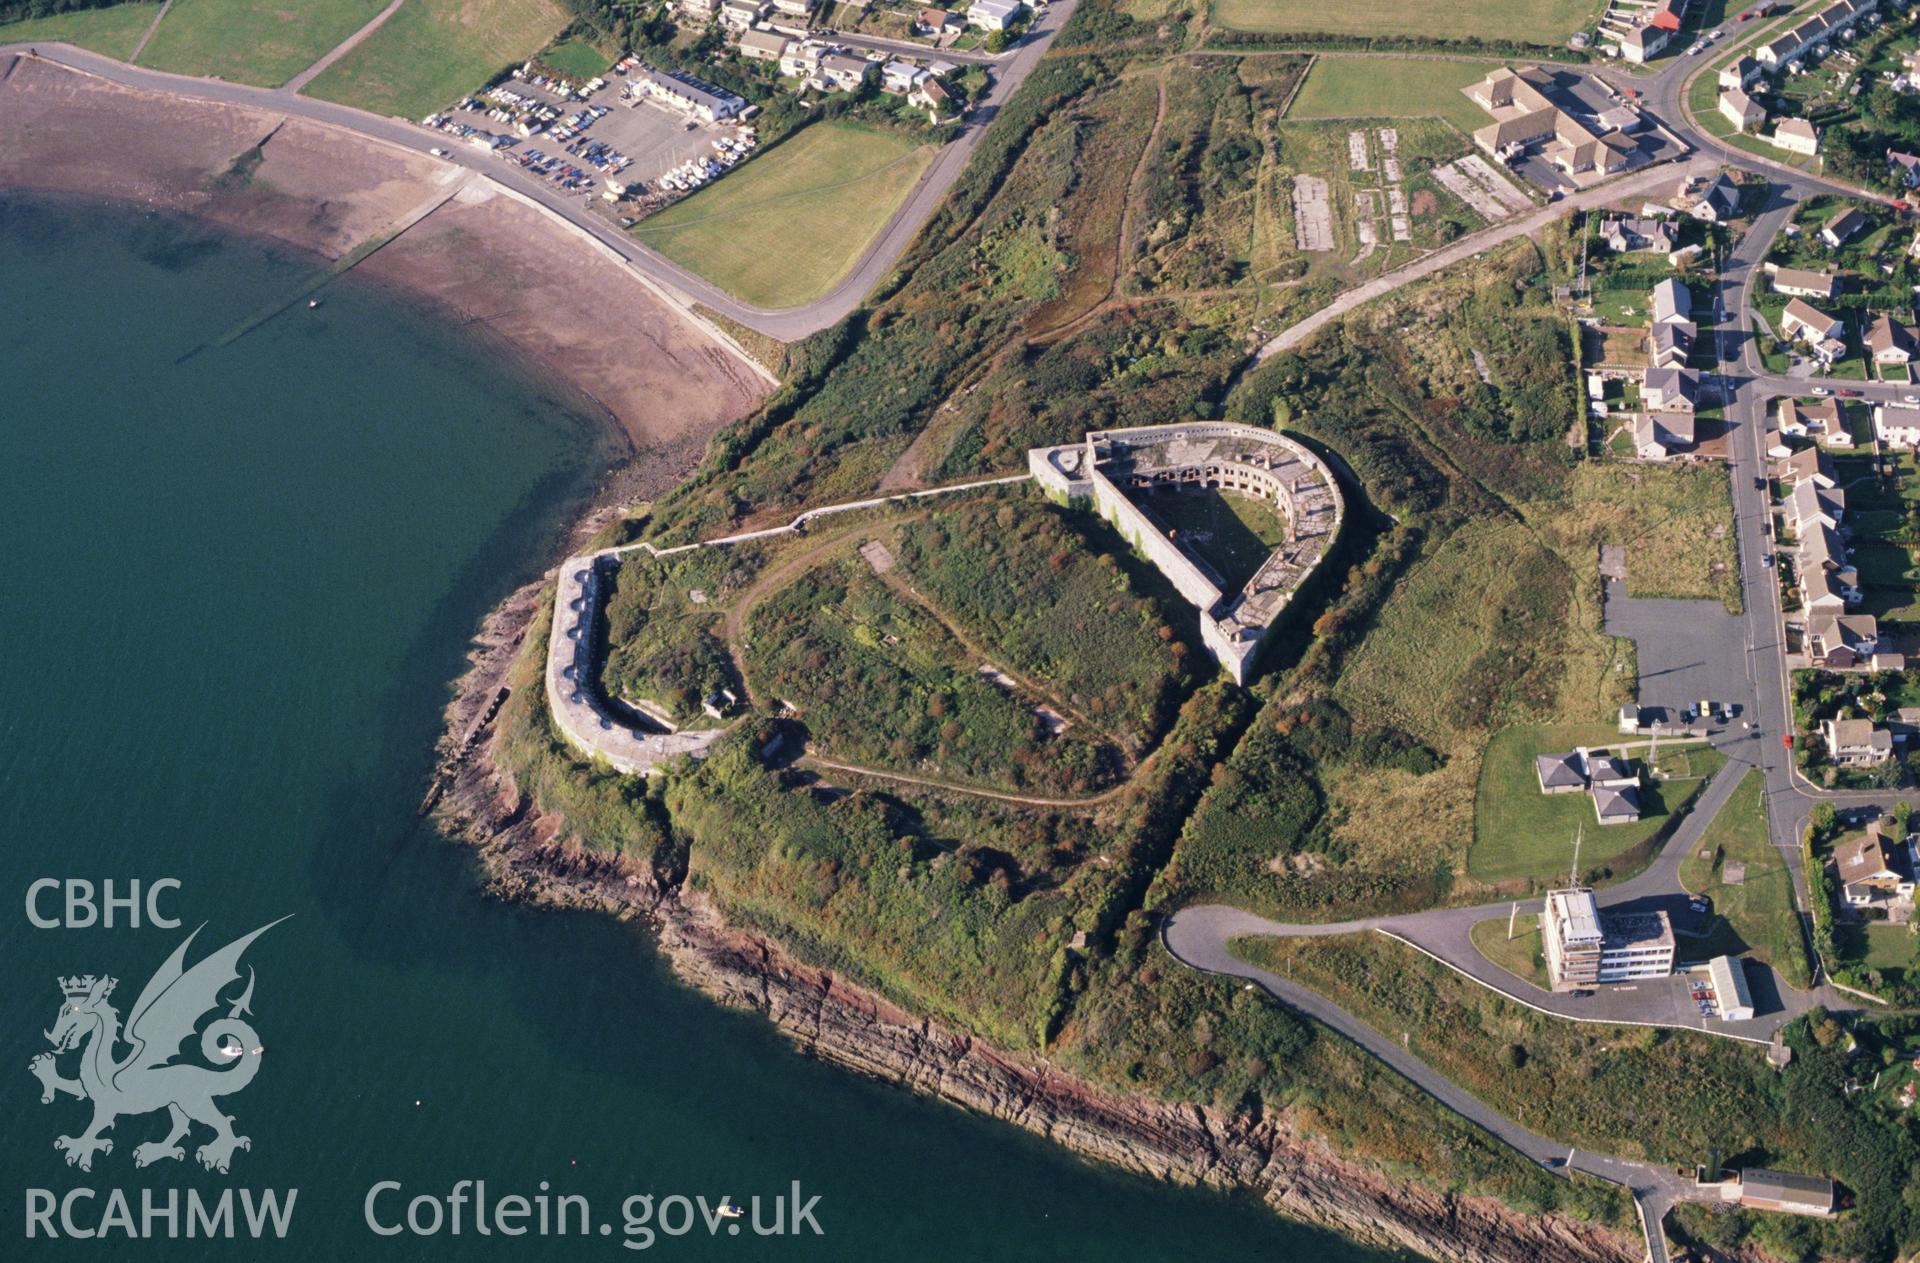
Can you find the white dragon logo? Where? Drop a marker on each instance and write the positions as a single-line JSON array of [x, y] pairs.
[[164, 1017]]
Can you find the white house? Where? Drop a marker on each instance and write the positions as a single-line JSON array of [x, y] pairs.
[[1803, 322], [994, 15], [1795, 135], [1897, 426], [1740, 109]]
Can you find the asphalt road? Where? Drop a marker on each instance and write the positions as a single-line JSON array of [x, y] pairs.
[[675, 282]]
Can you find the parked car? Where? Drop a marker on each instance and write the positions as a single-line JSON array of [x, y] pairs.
[[1822, 391], [1849, 394]]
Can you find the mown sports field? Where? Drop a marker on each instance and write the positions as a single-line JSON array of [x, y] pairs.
[[432, 52], [261, 42], [1527, 21], [784, 227], [1391, 87]]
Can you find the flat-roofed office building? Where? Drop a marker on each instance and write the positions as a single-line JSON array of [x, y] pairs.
[[1585, 947]]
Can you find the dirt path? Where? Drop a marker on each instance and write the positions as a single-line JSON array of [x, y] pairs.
[[152, 26], [813, 760], [299, 82]]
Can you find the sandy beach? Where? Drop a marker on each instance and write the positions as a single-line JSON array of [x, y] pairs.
[[486, 258]]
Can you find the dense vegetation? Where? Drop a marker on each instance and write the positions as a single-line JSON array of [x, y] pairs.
[[15, 10], [660, 627]]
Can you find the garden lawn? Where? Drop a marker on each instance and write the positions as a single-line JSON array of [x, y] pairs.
[[430, 53], [1521, 955], [262, 42], [1528, 21], [1521, 833], [1375, 87], [783, 228], [113, 31], [1760, 909]]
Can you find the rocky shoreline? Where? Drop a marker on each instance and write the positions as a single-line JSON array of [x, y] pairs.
[[526, 856]]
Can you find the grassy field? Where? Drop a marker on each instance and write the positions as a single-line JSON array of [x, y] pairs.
[[252, 41], [1521, 955], [113, 31], [1676, 524], [1232, 533], [1521, 833], [1760, 908], [1531, 21], [1376, 87], [578, 58], [431, 52], [786, 226]]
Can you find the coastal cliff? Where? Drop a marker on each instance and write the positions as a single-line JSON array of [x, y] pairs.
[[526, 857]]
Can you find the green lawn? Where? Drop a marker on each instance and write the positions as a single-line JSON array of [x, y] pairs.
[[263, 42], [1760, 909], [1520, 833], [786, 226], [1521, 955], [112, 31], [1376, 87], [578, 58], [1529, 21], [432, 52]]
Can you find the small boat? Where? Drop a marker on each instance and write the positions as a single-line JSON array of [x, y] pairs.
[[728, 1210], [313, 302], [230, 1050]]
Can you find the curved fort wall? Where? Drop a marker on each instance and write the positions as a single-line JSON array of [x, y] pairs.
[[1108, 464]]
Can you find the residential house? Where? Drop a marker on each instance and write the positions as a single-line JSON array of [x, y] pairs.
[[1897, 426], [901, 77], [1630, 234], [1825, 591], [793, 8], [1801, 283], [845, 71], [740, 15], [801, 58], [1741, 110], [762, 45], [1669, 343], [1903, 168], [1815, 421], [936, 99], [1877, 869], [1888, 341], [1671, 301], [1837, 231], [1812, 463], [1560, 773], [933, 21], [1718, 202], [1802, 322], [1857, 743], [1841, 641], [1658, 435], [1670, 390], [1795, 135], [700, 10], [1643, 43], [1740, 73], [1616, 806], [994, 15], [1811, 506]]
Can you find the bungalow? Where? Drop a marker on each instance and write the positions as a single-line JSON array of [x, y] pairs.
[[1741, 110], [1809, 420], [762, 45], [1903, 168], [932, 21], [1628, 235], [1671, 390], [1841, 228], [1801, 322], [994, 15], [845, 71], [1842, 640], [1857, 743], [1811, 506], [1671, 301], [1616, 806], [1718, 202], [1897, 426], [1561, 773], [1670, 343], [1888, 341], [1795, 135], [1658, 435], [1874, 869], [1802, 283]]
